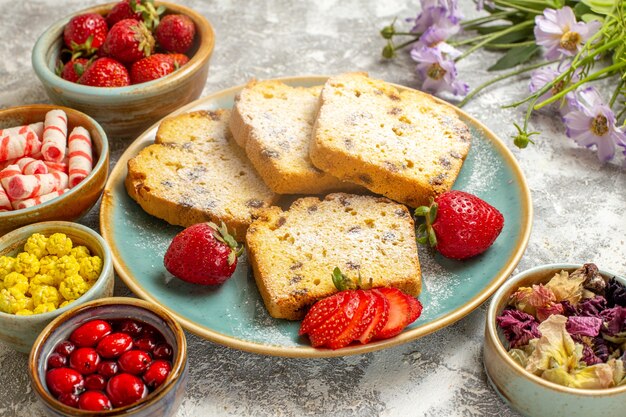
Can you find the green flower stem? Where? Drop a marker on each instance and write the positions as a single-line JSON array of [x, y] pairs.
[[519, 7], [495, 36], [509, 45], [609, 45], [417, 35], [402, 45], [573, 87], [502, 77], [486, 19], [615, 95]]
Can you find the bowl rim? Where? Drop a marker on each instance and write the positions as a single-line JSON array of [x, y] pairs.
[[150, 88], [178, 363], [63, 226], [102, 158], [513, 282]]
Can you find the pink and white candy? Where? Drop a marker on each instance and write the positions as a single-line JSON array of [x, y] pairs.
[[80, 155], [31, 166], [54, 136], [20, 187], [30, 202], [7, 173], [19, 141]]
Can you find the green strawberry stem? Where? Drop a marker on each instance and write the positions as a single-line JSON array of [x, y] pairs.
[[342, 282], [221, 234], [425, 232]]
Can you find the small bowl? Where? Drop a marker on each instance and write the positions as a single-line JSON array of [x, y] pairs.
[[20, 332], [164, 401], [76, 202], [529, 394], [126, 111]]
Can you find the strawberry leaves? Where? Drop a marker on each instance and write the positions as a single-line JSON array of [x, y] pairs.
[[221, 234], [425, 232]]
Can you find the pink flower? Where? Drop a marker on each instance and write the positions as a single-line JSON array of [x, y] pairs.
[[559, 32]]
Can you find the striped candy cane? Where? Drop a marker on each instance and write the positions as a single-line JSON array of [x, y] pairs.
[[29, 202], [21, 187], [80, 156], [54, 136], [30, 166], [19, 141]]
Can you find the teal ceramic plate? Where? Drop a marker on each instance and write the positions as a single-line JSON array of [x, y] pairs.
[[234, 315]]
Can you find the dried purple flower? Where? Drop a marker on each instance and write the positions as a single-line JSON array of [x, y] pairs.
[[438, 73], [591, 307], [614, 321], [583, 326], [559, 32], [593, 123], [568, 309], [589, 356], [615, 293], [518, 327]]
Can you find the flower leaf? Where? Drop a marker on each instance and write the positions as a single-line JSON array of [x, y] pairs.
[[514, 57]]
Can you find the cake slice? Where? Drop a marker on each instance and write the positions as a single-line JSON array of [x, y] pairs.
[[273, 122], [294, 252], [405, 145], [195, 173]]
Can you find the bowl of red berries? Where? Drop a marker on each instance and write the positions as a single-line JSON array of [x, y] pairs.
[[127, 64], [114, 356]]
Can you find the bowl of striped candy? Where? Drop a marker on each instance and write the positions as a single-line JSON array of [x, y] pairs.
[[54, 163]]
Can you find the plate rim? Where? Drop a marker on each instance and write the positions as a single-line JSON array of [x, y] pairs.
[[118, 173]]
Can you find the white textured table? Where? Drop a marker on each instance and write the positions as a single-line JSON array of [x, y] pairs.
[[580, 214]]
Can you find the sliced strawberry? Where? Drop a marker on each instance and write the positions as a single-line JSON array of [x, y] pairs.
[[322, 310], [379, 318], [399, 312], [362, 318], [334, 325], [416, 308]]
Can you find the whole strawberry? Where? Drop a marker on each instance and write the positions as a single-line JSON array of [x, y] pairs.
[[143, 10], [85, 33], [105, 72], [175, 33], [202, 254], [156, 66], [128, 41], [459, 225], [73, 69]]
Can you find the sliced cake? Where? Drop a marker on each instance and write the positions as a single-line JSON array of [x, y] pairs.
[[294, 252]]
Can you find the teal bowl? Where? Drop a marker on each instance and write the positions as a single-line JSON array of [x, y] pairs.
[[163, 402], [125, 111], [20, 332], [527, 393]]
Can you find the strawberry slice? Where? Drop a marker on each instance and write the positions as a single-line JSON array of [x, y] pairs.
[[334, 325], [379, 318], [416, 308], [399, 312], [321, 311], [363, 316]]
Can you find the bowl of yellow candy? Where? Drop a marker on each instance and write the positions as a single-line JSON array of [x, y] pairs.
[[46, 269]]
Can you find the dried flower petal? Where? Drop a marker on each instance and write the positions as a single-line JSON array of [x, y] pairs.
[[518, 327], [529, 299], [566, 288], [615, 293], [544, 312], [584, 326]]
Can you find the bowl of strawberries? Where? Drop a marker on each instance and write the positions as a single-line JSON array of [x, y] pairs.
[[127, 64]]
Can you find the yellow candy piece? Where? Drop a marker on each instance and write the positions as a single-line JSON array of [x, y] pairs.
[[90, 268], [36, 245], [44, 308], [58, 244], [80, 252], [45, 294], [12, 301], [73, 287], [26, 264], [24, 312], [6, 266], [64, 303], [16, 280]]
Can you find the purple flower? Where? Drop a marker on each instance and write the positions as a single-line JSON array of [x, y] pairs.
[[542, 76], [614, 320], [559, 32], [583, 326], [595, 351], [518, 327], [434, 12], [435, 37], [593, 123], [592, 307], [480, 4], [437, 72], [615, 293]]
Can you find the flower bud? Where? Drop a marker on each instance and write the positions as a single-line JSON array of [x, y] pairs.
[[388, 32], [388, 51]]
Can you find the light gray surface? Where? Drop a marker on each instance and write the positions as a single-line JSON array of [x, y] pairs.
[[579, 214]]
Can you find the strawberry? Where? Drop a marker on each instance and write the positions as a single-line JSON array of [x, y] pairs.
[[203, 254], [85, 33], [143, 10], [379, 319], [105, 72], [73, 69], [322, 310], [156, 66], [128, 41], [337, 323], [399, 312], [359, 321], [459, 225], [416, 308], [175, 33]]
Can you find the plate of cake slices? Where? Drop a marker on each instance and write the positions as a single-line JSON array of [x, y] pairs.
[[311, 175]]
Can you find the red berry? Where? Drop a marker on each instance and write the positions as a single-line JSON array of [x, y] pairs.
[[125, 389], [85, 32], [108, 369], [202, 254], [399, 312], [64, 381], [157, 373], [175, 33], [85, 360], [73, 69], [56, 360], [322, 310], [105, 72], [337, 323], [380, 315], [69, 399], [88, 334], [134, 361], [94, 401], [156, 66], [145, 343], [162, 351], [95, 382], [464, 225], [128, 41], [131, 327], [416, 308], [65, 348], [121, 11], [113, 345]]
